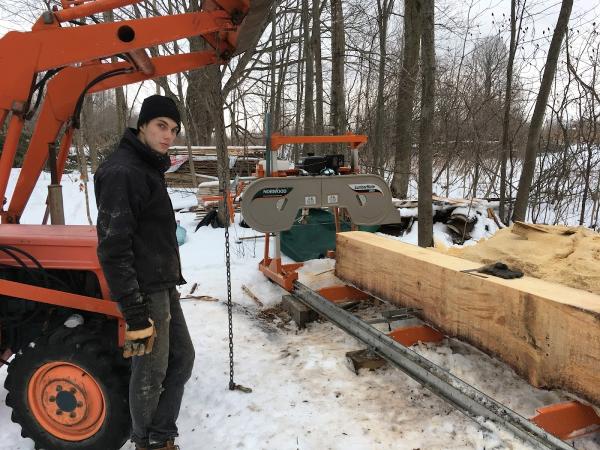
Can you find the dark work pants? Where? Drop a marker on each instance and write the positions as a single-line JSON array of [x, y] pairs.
[[157, 379]]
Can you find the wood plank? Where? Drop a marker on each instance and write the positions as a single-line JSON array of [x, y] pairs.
[[549, 333]]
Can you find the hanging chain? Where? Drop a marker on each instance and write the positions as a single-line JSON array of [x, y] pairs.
[[228, 267], [232, 385], [225, 192]]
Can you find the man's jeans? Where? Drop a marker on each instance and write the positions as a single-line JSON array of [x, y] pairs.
[[157, 379]]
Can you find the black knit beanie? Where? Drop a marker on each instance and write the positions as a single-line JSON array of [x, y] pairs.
[[158, 106]]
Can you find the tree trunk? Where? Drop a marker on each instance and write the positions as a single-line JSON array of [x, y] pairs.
[[537, 118], [299, 95], [384, 8], [507, 100], [425, 216], [476, 170], [199, 90], [309, 111], [316, 50], [588, 165], [121, 105], [216, 101], [83, 170], [120, 102], [273, 63], [338, 49], [87, 131], [406, 97], [278, 113], [188, 137]]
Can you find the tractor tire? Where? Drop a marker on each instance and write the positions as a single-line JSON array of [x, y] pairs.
[[69, 391]]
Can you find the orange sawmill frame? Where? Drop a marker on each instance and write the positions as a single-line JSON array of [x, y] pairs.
[[277, 140], [285, 274], [353, 140]]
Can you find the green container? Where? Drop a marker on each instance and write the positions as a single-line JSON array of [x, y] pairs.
[[312, 239]]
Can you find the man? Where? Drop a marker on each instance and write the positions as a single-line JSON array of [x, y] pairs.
[[138, 251]]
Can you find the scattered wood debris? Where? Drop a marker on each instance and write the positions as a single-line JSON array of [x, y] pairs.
[[203, 298], [250, 294]]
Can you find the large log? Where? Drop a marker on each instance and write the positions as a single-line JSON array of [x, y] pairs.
[[549, 333]]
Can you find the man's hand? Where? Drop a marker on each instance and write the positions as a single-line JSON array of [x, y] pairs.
[[140, 333], [139, 342]]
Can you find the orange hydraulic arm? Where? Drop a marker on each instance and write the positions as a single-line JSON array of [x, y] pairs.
[[49, 47], [59, 105]]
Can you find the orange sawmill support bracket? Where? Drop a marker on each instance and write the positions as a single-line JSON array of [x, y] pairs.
[[282, 274], [408, 336], [339, 294], [567, 420]]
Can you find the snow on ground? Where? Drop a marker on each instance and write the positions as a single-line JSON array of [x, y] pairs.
[[304, 396]]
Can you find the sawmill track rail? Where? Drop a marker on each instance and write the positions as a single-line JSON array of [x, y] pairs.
[[460, 395]]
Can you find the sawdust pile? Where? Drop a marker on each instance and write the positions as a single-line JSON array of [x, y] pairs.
[[567, 255]]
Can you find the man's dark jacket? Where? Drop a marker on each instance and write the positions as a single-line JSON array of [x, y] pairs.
[[137, 244]]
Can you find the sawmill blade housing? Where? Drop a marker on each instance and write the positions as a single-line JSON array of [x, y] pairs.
[[271, 204]]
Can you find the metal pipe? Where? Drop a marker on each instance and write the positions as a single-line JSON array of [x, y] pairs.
[[268, 144], [274, 165], [462, 396], [277, 245], [354, 160], [87, 9], [55, 204], [8, 153], [55, 198]]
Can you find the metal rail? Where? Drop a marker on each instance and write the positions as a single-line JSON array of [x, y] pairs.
[[462, 396]]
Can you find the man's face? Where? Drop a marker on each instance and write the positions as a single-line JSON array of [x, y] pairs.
[[159, 134]]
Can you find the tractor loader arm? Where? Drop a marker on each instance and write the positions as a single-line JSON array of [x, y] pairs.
[[53, 49]]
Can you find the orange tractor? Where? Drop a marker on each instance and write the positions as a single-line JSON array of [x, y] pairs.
[[67, 382]]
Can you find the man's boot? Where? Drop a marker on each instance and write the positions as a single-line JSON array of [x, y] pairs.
[[168, 445]]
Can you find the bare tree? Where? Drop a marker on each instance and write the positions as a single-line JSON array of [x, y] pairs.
[[384, 9], [316, 51], [121, 103], [309, 110], [338, 49], [507, 104], [406, 97], [537, 118], [426, 125]]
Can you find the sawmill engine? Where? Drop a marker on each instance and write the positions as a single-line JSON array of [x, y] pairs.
[[321, 165]]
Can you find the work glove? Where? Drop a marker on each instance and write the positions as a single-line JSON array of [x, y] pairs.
[[140, 333], [499, 269], [139, 342]]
